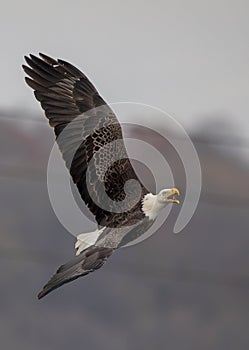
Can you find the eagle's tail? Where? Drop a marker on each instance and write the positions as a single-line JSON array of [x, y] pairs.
[[88, 261]]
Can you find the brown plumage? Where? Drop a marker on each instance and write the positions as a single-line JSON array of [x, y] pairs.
[[90, 139], [84, 124]]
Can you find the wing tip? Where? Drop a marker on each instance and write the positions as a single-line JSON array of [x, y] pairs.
[[40, 295], [49, 287], [45, 290], [28, 81], [27, 58], [48, 59]]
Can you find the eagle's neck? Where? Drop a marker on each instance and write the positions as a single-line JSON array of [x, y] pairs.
[[151, 206]]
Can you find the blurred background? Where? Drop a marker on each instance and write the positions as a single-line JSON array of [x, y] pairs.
[[190, 59]]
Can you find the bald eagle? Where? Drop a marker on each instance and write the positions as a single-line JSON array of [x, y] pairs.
[[90, 139]]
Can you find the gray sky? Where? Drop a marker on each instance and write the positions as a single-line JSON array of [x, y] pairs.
[[187, 57]]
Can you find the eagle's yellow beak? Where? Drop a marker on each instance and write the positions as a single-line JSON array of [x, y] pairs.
[[175, 191]]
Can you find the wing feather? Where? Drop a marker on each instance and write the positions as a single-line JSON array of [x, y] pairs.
[[84, 125]]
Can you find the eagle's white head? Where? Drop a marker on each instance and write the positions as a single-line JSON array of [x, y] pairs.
[[152, 204]]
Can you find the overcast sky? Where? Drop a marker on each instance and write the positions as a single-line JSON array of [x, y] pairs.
[[188, 57]]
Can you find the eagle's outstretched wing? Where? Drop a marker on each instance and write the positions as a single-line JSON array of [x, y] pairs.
[[88, 261], [89, 137]]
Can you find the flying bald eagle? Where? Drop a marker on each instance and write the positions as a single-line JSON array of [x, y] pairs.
[[91, 142]]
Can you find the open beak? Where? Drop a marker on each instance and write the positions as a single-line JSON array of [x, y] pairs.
[[171, 197]]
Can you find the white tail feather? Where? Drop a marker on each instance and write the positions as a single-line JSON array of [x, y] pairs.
[[85, 240]]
